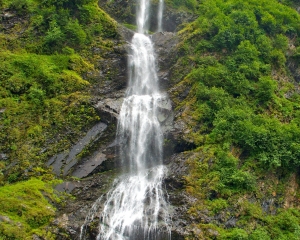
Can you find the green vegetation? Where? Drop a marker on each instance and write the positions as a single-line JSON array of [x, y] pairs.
[[25, 210], [243, 111], [53, 25], [187, 5]]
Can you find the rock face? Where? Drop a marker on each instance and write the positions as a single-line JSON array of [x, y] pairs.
[[124, 12], [165, 43], [63, 162], [86, 191]]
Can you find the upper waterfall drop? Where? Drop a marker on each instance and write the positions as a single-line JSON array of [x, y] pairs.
[[160, 16], [142, 16]]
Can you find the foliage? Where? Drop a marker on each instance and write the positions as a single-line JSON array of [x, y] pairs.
[[243, 114], [239, 48], [25, 209], [187, 5], [57, 24]]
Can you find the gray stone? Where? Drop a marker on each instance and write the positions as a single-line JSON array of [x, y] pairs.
[[57, 161], [8, 15], [66, 187], [89, 166], [213, 232], [36, 237], [3, 156], [5, 219], [109, 109], [165, 48], [126, 33], [64, 161], [231, 223]]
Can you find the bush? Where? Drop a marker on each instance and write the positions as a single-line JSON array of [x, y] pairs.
[[22, 6], [235, 234], [75, 35], [36, 95], [54, 36], [265, 90], [260, 234]]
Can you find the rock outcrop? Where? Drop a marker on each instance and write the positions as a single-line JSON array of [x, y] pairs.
[[124, 12]]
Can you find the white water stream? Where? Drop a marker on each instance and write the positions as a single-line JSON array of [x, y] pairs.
[[160, 15], [135, 207]]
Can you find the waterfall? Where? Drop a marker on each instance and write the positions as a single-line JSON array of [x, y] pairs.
[[160, 15], [136, 207]]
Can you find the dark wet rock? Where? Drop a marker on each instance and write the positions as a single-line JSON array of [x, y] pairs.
[[64, 161], [231, 223], [125, 33], [165, 47], [176, 140], [109, 109], [71, 217], [111, 75], [121, 10], [174, 19], [165, 113], [88, 167], [269, 205], [294, 67], [67, 187], [180, 201], [57, 161], [9, 19]]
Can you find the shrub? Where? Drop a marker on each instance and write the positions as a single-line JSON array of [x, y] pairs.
[[54, 36], [235, 234], [260, 234], [75, 35]]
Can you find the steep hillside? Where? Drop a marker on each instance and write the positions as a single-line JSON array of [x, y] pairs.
[[238, 93], [232, 72]]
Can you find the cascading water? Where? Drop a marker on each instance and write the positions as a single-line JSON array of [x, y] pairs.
[[135, 207], [160, 15]]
